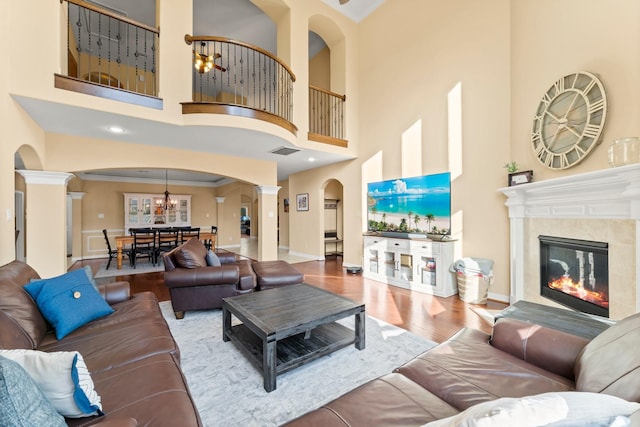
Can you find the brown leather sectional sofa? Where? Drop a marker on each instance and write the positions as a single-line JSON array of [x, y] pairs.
[[131, 355], [518, 359]]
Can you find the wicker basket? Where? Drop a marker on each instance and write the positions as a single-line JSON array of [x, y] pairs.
[[473, 287]]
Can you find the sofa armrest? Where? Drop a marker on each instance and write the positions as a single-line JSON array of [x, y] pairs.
[[115, 292], [202, 276], [226, 257], [546, 348]]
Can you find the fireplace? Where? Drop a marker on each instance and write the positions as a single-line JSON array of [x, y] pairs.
[[575, 273]]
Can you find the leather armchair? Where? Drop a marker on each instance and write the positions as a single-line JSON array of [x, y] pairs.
[[204, 287]]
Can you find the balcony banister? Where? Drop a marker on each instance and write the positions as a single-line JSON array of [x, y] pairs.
[[110, 14], [328, 92], [109, 55], [190, 39], [238, 78]]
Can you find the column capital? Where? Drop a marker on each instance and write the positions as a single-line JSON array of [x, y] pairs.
[[76, 195], [45, 177], [269, 190]]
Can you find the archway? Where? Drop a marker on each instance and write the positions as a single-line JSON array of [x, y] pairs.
[[333, 218]]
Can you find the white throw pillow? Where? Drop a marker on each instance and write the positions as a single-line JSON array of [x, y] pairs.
[[63, 378], [559, 409]]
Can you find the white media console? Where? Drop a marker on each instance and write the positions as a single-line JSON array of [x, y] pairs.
[[422, 265]]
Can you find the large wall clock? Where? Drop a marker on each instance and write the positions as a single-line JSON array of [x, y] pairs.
[[569, 120]]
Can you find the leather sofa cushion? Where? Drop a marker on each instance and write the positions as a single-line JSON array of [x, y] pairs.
[[134, 331], [391, 400], [610, 363], [465, 370], [151, 390], [191, 254], [28, 324]]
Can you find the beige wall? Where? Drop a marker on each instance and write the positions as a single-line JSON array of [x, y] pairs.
[[598, 38], [319, 69], [283, 219], [438, 48]]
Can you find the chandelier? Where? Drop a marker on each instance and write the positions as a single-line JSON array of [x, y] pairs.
[[167, 203], [204, 63]]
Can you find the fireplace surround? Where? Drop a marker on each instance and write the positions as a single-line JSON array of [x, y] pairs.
[[600, 206]]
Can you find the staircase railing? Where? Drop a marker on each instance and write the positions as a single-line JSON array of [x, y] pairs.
[[236, 74], [326, 116], [111, 50]]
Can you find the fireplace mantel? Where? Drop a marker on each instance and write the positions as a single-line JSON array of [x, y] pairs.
[[609, 194]]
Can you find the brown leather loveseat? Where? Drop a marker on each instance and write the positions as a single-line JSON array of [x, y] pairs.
[[474, 377], [193, 285], [130, 354]]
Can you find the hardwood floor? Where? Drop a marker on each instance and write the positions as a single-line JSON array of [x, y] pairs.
[[431, 317]]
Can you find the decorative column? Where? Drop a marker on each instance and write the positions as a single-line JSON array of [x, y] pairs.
[[268, 222], [219, 220], [74, 230], [46, 225]]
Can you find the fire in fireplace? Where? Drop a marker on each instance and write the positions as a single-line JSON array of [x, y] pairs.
[[575, 273]]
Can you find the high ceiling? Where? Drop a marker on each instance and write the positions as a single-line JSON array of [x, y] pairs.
[[211, 17]]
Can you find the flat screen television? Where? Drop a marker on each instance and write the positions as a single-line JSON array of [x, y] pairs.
[[417, 205]]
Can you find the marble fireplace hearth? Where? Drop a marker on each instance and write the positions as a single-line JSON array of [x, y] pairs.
[[602, 206]]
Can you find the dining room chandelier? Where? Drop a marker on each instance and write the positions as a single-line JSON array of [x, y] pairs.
[[168, 204]]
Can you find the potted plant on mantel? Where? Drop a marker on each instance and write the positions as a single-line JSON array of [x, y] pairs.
[[516, 177]]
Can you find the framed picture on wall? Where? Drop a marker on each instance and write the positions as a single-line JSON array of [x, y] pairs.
[[302, 202]]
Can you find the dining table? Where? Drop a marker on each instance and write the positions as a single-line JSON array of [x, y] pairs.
[[122, 241]]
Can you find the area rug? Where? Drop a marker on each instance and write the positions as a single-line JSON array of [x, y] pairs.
[[228, 389], [126, 270]]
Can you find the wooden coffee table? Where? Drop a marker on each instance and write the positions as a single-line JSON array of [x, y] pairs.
[[286, 327]]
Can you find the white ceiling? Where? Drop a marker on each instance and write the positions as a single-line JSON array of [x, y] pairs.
[[356, 10], [211, 17]]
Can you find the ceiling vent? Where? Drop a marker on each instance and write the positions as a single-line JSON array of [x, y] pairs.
[[285, 151]]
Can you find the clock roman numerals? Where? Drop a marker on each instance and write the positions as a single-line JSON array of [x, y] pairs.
[[559, 85], [591, 131], [596, 106]]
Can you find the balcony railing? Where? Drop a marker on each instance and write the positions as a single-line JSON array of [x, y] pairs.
[[326, 116], [110, 50], [233, 77]]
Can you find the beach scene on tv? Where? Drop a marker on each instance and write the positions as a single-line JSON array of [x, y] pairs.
[[419, 204]]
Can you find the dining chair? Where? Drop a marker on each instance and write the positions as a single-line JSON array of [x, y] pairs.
[[113, 253], [144, 245], [211, 243], [187, 233], [168, 239]]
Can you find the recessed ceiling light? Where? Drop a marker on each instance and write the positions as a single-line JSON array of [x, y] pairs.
[[115, 129], [311, 159]]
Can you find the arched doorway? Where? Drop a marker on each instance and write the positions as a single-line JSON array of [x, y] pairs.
[[333, 219]]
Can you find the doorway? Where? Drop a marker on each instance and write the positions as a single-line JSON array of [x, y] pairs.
[[245, 221], [20, 235]]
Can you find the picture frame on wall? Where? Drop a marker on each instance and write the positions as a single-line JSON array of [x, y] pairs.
[[302, 202]]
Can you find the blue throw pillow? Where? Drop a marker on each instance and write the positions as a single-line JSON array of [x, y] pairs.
[[68, 301], [21, 401], [212, 259]]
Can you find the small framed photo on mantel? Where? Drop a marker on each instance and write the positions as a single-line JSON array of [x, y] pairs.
[[517, 178], [302, 202]]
